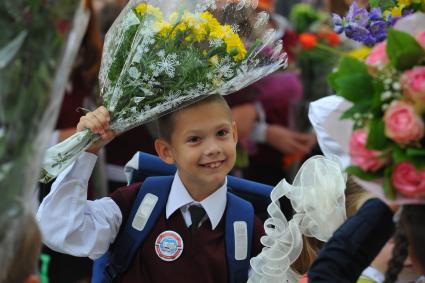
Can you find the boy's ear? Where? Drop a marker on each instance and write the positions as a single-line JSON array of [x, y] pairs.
[[235, 131], [163, 149]]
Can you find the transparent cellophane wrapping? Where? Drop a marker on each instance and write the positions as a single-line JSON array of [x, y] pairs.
[[160, 56], [33, 77], [317, 196]]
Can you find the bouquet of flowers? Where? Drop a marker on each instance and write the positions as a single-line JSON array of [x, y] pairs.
[[316, 55], [159, 56], [370, 27], [38, 43], [387, 92], [33, 76]]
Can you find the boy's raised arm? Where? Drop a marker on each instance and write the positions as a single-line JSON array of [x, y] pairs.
[[68, 221]]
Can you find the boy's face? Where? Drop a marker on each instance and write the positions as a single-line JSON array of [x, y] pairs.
[[203, 146]]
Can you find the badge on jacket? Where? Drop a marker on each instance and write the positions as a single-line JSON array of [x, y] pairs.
[[169, 246]]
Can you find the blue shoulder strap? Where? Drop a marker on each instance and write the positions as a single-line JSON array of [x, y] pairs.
[[239, 228], [153, 194]]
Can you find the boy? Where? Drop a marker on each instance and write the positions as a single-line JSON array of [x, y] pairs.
[[201, 140]]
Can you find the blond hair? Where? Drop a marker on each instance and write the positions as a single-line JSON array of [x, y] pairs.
[[20, 245]]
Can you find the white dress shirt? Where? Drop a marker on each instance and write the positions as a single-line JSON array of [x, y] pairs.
[[73, 225]]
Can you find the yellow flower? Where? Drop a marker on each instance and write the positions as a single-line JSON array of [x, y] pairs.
[[396, 11], [359, 53], [233, 41], [145, 9], [404, 2], [214, 60], [163, 28], [211, 21]]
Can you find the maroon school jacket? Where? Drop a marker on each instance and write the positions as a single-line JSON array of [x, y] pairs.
[[203, 258]]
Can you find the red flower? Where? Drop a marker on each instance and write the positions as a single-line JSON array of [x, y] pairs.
[[333, 38], [62, 26], [308, 40]]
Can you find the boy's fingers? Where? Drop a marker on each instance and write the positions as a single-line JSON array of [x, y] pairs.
[[93, 122], [108, 135], [101, 120], [104, 112]]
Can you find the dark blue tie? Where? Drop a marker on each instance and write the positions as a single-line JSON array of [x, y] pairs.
[[196, 214]]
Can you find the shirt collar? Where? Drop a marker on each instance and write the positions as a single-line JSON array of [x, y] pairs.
[[214, 204]]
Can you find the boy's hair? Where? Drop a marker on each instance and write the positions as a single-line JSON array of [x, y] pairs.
[[410, 230], [164, 126], [20, 246]]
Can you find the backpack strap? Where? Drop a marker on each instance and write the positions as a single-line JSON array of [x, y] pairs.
[[239, 228], [148, 206]]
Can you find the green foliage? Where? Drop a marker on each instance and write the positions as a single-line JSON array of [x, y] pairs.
[[389, 189], [356, 108], [383, 4], [403, 50], [376, 138], [122, 53], [352, 81], [26, 77], [303, 16], [357, 171]]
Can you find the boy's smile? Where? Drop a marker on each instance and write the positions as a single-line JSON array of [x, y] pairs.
[[203, 146]]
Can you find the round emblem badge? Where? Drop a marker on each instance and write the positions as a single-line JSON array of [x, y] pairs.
[[169, 245]]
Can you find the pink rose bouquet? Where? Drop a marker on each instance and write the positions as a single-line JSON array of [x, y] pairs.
[[366, 159], [408, 180], [402, 124], [387, 92], [378, 55], [413, 84]]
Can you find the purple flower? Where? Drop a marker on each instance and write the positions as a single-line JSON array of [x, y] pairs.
[[378, 29], [357, 15], [359, 33], [407, 12], [375, 14], [338, 23]]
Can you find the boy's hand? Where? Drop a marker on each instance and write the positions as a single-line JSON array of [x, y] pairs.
[[97, 122]]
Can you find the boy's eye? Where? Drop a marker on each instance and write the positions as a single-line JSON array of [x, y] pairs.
[[222, 133], [193, 139]]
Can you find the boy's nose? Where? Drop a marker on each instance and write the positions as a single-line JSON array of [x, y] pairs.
[[212, 148]]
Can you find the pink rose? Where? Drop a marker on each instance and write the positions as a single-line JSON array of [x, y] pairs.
[[402, 124], [368, 160], [408, 181], [421, 39], [413, 83], [378, 55]]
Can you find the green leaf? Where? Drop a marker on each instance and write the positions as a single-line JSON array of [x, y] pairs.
[[356, 108], [357, 171], [417, 157], [389, 190], [415, 152], [8, 52], [376, 138], [399, 155], [383, 4], [352, 80], [403, 50]]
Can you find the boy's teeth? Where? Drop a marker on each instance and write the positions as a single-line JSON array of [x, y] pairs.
[[213, 165]]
